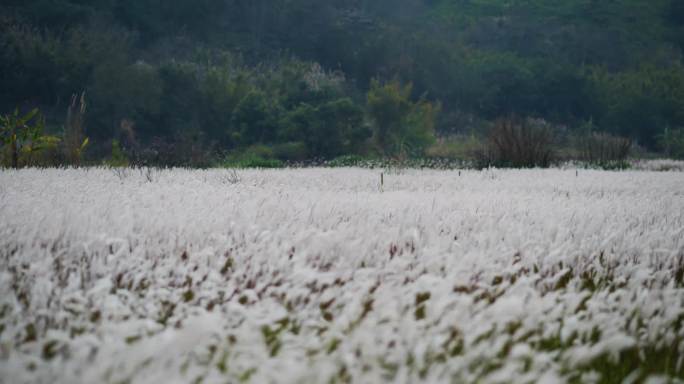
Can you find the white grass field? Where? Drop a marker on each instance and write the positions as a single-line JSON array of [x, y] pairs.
[[317, 276]]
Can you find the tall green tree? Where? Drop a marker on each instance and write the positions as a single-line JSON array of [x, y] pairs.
[[400, 125]]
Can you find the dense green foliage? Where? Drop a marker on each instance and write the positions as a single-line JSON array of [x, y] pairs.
[[22, 137], [401, 125], [182, 82]]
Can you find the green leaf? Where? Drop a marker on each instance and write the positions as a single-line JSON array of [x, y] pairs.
[[28, 117], [84, 144]]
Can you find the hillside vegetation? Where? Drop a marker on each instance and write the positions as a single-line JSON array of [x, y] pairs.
[[189, 82]]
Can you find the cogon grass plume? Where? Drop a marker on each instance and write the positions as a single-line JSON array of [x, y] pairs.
[[514, 275]]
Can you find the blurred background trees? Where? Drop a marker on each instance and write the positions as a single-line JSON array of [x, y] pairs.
[[185, 82]]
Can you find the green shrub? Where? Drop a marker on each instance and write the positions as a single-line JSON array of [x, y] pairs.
[[459, 147], [346, 161], [328, 129], [259, 162], [291, 151], [118, 158], [257, 156], [256, 118], [259, 150], [22, 137]]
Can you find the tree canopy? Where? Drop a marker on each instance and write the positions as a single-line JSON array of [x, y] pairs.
[[228, 74]]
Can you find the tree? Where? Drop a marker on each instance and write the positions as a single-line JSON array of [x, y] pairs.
[[256, 119], [388, 106], [328, 130], [400, 125]]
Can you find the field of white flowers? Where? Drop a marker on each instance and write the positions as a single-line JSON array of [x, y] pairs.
[[320, 275]]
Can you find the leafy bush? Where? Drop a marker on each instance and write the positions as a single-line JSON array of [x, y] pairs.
[[460, 147], [291, 151], [256, 156], [22, 137], [259, 162], [346, 161], [635, 102], [419, 131], [118, 158], [328, 129], [256, 118]]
